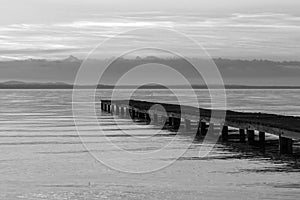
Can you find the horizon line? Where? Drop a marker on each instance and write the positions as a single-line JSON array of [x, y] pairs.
[[151, 57], [57, 85]]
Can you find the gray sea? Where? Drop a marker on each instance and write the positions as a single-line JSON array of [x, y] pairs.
[[43, 157]]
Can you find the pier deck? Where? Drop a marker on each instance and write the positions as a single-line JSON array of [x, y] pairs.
[[286, 127]]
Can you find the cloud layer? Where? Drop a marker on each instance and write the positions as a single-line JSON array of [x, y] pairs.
[[273, 36]]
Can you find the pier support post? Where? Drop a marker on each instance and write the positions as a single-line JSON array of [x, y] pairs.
[[285, 145], [102, 107], [117, 110], [112, 108], [242, 135], [250, 136], [225, 133], [198, 134], [141, 116], [176, 123], [127, 114], [202, 129], [187, 124], [262, 139], [155, 119], [108, 108], [163, 121], [214, 131], [132, 113], [105, 107], [122, 111], [147, 118], [137, 115], [171, 122]]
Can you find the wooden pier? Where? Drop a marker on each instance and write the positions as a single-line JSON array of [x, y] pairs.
[[249, 124]]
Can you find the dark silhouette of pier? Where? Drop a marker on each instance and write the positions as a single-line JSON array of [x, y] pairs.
[[248, 124]]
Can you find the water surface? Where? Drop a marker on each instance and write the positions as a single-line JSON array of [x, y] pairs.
[[42, 157]]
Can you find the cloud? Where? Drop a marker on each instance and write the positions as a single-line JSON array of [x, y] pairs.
[[270, 35], [136, 24]]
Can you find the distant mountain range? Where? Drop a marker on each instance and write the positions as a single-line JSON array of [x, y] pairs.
[[34, 85], [43, 73], [61, 85]]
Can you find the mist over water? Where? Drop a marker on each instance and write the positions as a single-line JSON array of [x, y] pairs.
[[42, 157]]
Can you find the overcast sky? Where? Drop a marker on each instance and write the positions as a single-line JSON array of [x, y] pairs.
[[53, 29]]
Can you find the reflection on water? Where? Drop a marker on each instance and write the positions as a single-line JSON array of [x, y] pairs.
[[42, 157]]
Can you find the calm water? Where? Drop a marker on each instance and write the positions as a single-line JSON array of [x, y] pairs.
[[42, 157]]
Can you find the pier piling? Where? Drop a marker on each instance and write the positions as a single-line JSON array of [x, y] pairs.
[[117, 110], [242, 135], [202, 129], [155, 118], [147, 118], [141, 116], [262, 138], [176, 123], [164, 121], [122, 112], [170, 121], [187, 124], [285, 145], [132, 113], [127, 114], [250, 136], [112, 110], [225, 133]]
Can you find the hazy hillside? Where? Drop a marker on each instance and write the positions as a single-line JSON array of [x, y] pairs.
[[234, 72]]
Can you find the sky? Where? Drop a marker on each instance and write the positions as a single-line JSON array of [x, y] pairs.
[[237, 29]]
